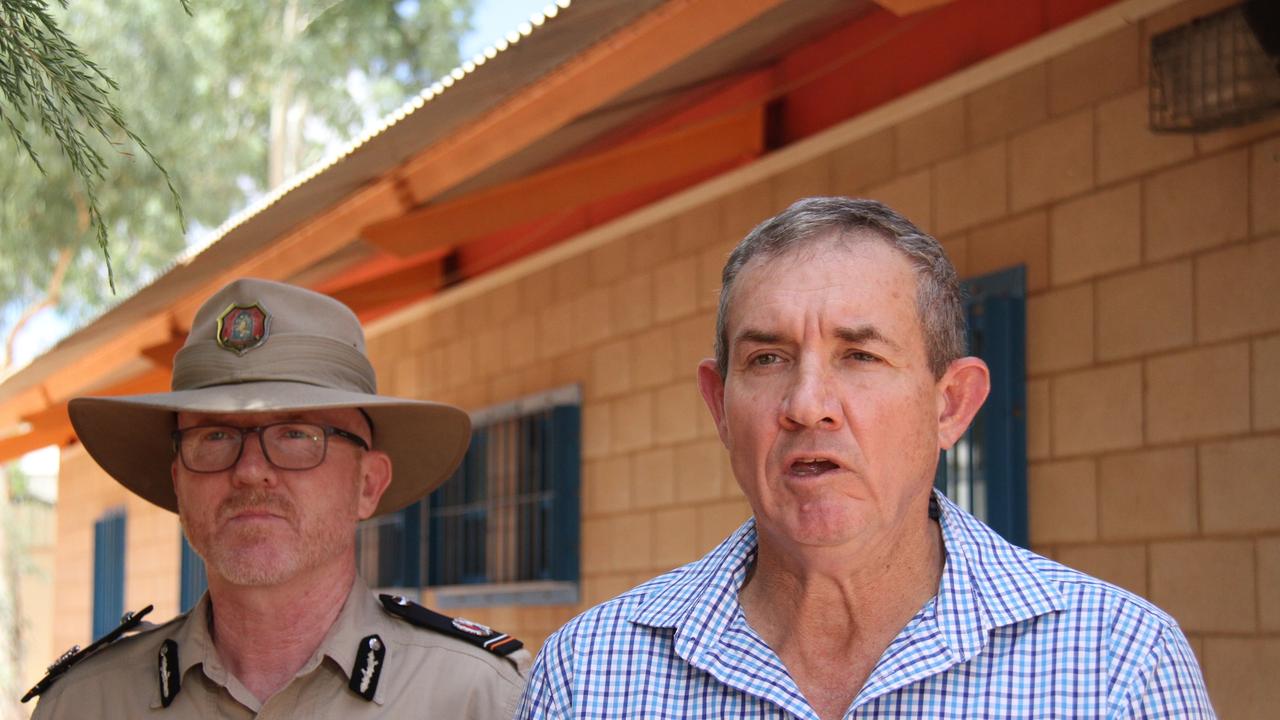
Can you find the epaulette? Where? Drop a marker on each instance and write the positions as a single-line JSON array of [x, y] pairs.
[[69, 658], [481, 636]]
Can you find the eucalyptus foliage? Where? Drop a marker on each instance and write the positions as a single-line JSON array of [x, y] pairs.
[[46, 80], [203, 90]]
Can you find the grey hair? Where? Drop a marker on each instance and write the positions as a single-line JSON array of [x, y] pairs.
[[938, 295]]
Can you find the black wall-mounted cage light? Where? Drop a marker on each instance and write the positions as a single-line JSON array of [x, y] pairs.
[[1218, 71]]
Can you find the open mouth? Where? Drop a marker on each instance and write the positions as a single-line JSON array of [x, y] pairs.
[[812, 466]]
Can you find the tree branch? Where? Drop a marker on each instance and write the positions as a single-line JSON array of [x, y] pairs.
[[52, 294]]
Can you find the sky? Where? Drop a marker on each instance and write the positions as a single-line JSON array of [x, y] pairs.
[[493, 19]]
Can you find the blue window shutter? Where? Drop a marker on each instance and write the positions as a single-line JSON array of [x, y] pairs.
[[560, 509], [108, 572], [192, 579], [986, 472]]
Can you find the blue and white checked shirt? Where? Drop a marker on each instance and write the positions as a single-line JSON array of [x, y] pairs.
[[1010, 634]]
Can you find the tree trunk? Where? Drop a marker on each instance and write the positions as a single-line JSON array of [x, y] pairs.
[[282, 156]]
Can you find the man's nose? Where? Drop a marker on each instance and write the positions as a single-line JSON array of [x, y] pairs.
[[810, 401], [252, 466]]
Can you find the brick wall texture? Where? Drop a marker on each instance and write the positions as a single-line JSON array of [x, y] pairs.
[[1153, 355]]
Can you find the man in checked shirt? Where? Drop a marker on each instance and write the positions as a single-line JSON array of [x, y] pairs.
[[857, 590]]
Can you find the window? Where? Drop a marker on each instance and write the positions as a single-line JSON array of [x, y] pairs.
[[986, 471], [504, 528], [192, 581], [389, 549], [108, 571]]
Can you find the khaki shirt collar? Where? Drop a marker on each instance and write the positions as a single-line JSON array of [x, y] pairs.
[[359, 618], [195, 647]]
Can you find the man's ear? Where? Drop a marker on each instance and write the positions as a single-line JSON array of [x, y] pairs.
[[961, 391], [711, 385], [375, 477]]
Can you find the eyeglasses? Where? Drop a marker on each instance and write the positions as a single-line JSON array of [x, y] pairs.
[[286, 445]]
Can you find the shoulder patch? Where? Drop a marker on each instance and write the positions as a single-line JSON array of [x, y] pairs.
[[68, 659], [481, 636]]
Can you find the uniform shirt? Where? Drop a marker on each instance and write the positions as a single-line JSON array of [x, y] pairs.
[[424, 674], [1009, 635]]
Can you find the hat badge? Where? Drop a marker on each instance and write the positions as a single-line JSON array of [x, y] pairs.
[[242, 328]]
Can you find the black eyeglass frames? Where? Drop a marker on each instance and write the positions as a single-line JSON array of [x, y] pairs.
[[286, 445]]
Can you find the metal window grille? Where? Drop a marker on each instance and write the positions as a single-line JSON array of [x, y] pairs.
[[509, 514], [192, 580], [389, 548], [108, 571], [1221, 70], [985, 472]]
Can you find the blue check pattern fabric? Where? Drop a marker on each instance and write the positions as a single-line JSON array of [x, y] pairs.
[[1010, 634]]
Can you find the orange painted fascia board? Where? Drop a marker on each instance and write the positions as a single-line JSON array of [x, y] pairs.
[[150, 381], [637, 165], [380, 265], [519, 241], [28, 401], [1061, 12], [406, 283], [661, 38], [300, 248], [162, 354], [19, 445], [103, 359], [907, 7], [732, 95], [52, 425], [877, 58]]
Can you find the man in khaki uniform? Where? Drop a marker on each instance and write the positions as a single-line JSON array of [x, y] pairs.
[[271, 447]]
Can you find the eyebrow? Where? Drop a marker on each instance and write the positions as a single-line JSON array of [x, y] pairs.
[[858, 335], [760, 337], [865, 334]]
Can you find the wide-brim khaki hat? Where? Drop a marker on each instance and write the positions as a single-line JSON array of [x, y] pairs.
[[262, 346]]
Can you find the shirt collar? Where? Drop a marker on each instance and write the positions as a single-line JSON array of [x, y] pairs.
[[195, 644], [195, 648], [358, 619], [986, 583], [701, 599]]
